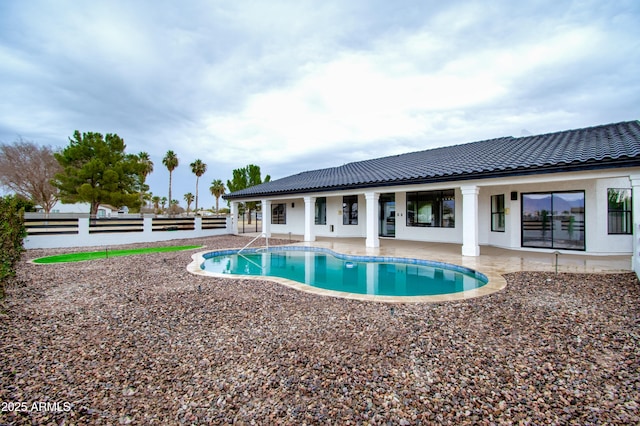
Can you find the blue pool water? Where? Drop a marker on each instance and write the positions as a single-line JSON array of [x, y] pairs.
[[323, 268]]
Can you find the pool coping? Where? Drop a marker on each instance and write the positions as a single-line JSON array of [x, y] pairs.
[[495, 282]]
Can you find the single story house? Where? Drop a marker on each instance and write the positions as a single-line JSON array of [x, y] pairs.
[[574, 190], [104, 210]]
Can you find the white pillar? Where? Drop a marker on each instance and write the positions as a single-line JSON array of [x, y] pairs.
[[266, 217], [309, 218], [635, 212], [470, 245], [234, 217], [373, 239]]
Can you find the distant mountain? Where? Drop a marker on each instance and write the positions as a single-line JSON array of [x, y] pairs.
[[560, 203]]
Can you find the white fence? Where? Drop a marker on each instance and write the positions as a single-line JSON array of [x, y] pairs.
[[61, 231]]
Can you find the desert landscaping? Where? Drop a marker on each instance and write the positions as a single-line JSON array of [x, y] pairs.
[[139, 340]]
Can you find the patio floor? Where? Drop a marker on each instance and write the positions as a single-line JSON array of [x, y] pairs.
[[493, 262]]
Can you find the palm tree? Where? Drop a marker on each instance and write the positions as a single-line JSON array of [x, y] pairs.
[[174, 205], [217, 190], [146, 167], [156, 203], [163, 202], [170, 161], [188, 197], [198, 168], [146, 199]]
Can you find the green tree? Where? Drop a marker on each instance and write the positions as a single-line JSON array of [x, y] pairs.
[[12, 233], [96, 170], [545, 222], [163, 202], [247, 177], [188, 197], [198, 168], [170, 161], [217, 190], [571, 226], [24, 204]]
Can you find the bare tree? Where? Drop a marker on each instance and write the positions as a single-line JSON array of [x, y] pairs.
[[27, 169]]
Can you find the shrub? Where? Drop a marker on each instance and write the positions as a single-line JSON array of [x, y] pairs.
[[12, 233]]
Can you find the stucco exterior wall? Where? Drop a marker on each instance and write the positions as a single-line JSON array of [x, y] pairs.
[[597, 239], [593, 183], [602, 240], [415, 233], [295, 217]]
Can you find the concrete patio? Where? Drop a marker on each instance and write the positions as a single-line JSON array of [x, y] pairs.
[[493, 262], [498, 260]]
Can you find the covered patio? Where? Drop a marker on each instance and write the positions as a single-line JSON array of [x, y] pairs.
[[500, 260], [575, 192], [494, 262]]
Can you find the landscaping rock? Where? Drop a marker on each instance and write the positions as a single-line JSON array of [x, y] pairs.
[[139, 340]]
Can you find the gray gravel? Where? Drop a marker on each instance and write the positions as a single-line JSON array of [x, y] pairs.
[[139, 340]]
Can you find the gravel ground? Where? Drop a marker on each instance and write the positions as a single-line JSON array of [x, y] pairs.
[[139, 340]]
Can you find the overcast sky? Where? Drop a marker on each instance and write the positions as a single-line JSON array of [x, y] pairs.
[[300, 85]]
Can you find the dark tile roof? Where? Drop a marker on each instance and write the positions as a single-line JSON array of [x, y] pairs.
[[606, 146]]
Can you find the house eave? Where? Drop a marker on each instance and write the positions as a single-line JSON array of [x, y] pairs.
[[594, 165]]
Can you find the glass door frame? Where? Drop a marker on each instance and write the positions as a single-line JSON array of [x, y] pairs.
[[557, 222], [387, 215]]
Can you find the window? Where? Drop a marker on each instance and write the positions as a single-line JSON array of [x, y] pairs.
[[497, 213], [431, 208], [619, 211], [321, 211], [350, 210], [553, 220], [279, 214]]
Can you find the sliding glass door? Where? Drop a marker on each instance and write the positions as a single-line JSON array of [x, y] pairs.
[[553, 220], [387, 217]]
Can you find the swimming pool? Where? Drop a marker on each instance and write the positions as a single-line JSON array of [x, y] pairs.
[[366, 275]]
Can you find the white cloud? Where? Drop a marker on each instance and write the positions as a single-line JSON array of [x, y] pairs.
[[360, 98], [297, 85]]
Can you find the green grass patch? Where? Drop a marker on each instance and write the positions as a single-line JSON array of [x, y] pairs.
[[104, 254]]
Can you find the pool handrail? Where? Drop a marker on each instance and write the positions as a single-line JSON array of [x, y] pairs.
[[262, 234]]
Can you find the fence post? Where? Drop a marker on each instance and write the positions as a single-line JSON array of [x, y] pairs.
[[147, 226], [83, 227]]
